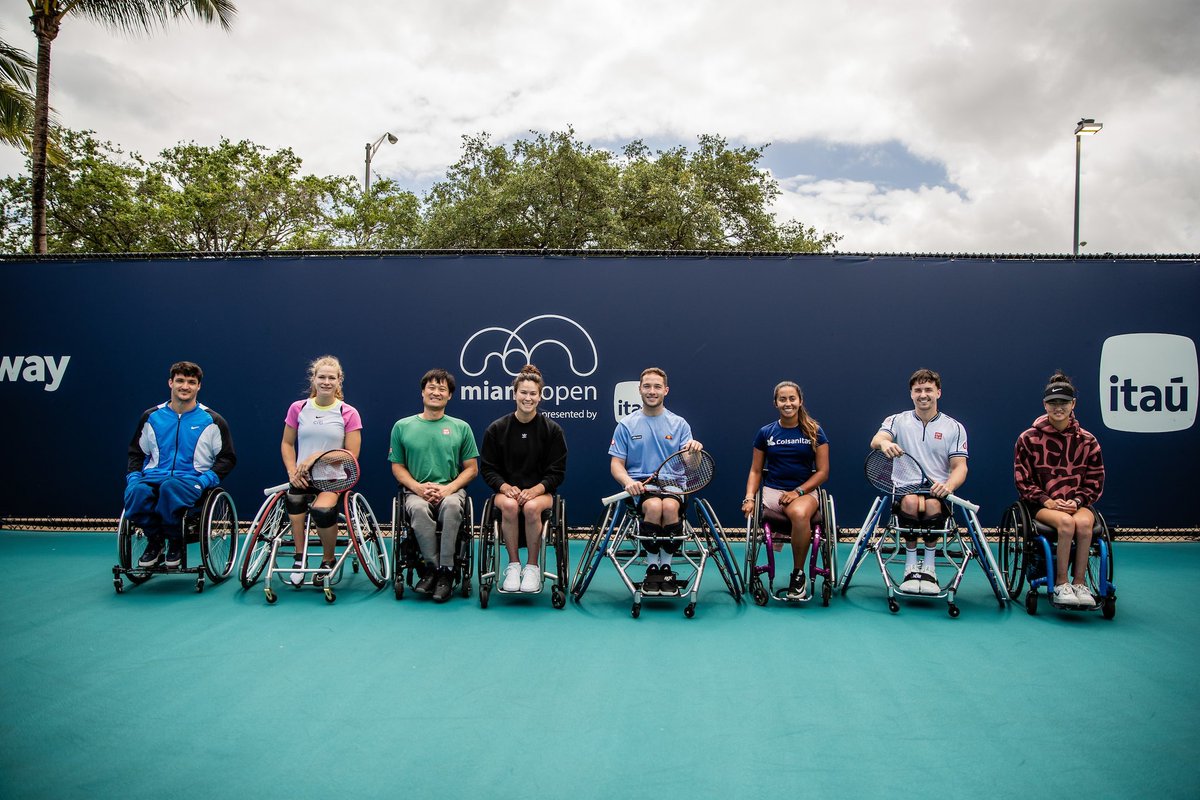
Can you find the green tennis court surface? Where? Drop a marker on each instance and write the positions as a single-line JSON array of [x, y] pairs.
[[164, 692]]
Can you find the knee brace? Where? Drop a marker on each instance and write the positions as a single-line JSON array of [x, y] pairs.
[[672, 530], [651, 533], [323, 517], [296, 502]]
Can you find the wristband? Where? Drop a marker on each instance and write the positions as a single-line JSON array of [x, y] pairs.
[[799, 491]]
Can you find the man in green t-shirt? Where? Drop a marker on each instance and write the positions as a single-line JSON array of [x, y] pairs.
[[434, 458]]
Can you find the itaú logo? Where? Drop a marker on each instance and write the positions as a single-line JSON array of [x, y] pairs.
[[513, 349], [1148, 382]]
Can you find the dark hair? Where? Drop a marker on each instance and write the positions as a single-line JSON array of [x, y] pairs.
[[440, 375], [188, 369], [925, 376], [807, 423], [1059, 387], [529, 373], [654, 371]]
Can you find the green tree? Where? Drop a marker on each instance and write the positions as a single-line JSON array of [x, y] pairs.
[[550, 191], [16, 97], [385, 218], [121, 15], [236, 196]]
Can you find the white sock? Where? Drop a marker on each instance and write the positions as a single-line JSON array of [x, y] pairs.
[[910, 559]]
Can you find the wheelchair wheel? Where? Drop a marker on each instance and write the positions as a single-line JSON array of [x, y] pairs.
[[1013, 529], [269, 524], [562, 554], [589, 560], [829, 563], [831, 532], [1100, 569], [368, 539], [488, 544], [218, 535], [710, 530], [752, 582], [1031, 601], [131, 543]]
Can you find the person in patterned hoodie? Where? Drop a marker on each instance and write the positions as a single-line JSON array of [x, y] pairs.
[[1059, 474]]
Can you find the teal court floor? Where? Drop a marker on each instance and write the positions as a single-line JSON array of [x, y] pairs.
[[162, 692]]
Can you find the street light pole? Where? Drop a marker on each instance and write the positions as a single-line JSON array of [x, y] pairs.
[[372, 148], [1086, 127]]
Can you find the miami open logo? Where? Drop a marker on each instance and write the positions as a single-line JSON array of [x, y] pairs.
[[513, 349], [1148, 382]]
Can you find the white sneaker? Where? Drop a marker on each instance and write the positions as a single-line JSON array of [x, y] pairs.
[[531, 579], [1083, 595], [1064, 594], [296, 578], [930, 584], [512, 578], [912, 582]]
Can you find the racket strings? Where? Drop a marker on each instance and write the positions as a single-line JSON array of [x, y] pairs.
[[335, 471], [900, 475], [686, 472]]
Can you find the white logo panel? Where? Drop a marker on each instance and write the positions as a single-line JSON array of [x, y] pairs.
[[626, 399], [1148, 382], [515, 348]]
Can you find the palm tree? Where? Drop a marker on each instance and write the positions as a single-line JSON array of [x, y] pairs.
[[16, 96], [129, 16]]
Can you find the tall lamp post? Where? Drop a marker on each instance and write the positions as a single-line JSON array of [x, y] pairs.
[[372, 147], [1086, 127]]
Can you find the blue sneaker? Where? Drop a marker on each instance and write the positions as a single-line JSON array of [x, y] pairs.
[[174, 553], [151, 554]]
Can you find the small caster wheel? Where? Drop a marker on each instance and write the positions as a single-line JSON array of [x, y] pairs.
[[826, 593], [953, 611], [330, 596], [690, 610], [484, 594], [119, 585], [354, 566], [558, 599], [398, 586], [893, 606], [199, 587], [760, 595], [1109, 609], [636, 611], [465, 589], [1031, 602], [270, 594]]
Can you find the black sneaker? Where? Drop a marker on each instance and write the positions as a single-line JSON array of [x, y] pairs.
[[319, 578], [796, 586], [151, 554], [426, 584], [666, 581], [445, 586], [652, 583], [174, 553]]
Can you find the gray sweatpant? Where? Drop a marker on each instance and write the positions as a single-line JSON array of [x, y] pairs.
[[425, 520]]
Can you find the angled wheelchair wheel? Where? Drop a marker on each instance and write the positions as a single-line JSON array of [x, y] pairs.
[[559, 535], [589, 560], [218, 535], [714, 539], [1013, 530], [131, 543], [1100, 568], [269, 524], [828, 562], [367, 536], [489, 541], [831, 532]]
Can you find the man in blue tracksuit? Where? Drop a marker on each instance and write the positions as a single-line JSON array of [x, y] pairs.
[[179, 449]]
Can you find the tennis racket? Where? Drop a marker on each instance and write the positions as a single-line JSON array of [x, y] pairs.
[[683, 473], [333, 471], [903, 475]]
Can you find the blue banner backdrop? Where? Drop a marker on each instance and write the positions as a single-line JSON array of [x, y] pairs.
[[87, 344]]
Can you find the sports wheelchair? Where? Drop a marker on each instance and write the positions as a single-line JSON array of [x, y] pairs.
[[882, 534], [407, 564], [765, 535], [491, 547], [1028, 552], [212, 523], [617, 537], [272, 546]]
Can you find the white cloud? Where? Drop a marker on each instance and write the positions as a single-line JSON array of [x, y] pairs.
[[990, 91]]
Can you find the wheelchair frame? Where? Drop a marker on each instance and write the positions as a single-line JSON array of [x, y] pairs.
[[491, 547], [271, 530], [614, 538], [212, 522], [955, 550], [1027, 552], [760, 537], [406, 552]]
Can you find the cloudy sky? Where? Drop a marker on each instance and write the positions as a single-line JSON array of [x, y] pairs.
[[919, 126]]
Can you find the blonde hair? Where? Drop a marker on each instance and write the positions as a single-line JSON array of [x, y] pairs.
[[325, 361]]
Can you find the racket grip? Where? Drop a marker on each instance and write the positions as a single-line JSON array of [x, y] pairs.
[[281, 487], [958, 501], [613, 498]]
